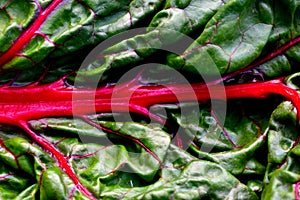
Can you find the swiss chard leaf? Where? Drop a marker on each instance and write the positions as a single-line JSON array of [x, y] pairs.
[[176, 143]]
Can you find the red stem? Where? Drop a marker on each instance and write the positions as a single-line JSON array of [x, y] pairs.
[[34, 102], [18, 105]]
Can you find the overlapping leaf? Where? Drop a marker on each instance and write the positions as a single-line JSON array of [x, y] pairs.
[[67, 26], [254, 154]]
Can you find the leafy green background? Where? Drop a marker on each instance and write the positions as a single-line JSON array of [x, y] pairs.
[[254, 155]]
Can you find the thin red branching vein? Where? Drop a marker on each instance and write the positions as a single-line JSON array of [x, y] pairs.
[[142, 97], [72, 193], [55, 100], [2, 144], [224, 131], [6, 176], [61, 159], [237, 47], [263, 60], [135, 140], [26, 36], [88, 154]]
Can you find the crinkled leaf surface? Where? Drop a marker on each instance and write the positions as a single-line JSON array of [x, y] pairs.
[[67, 27], [251, 151]]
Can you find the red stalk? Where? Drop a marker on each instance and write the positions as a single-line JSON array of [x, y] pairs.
[[18, 105], [34, 102]]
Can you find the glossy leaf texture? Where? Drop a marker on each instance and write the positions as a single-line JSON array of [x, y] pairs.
[[226, 127], [33, 30]]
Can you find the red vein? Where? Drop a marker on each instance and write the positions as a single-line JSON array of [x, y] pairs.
[[225, 131], [25, 37], [18, 105], [72, 193], [45, 101], [6, 175], [50, 100], [135, 140], [237, 47], [2, 144], [265, 59], [59, 157], [88, 154]]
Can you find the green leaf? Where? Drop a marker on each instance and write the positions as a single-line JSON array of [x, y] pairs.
[[282, 133], [243, 148], [72, 26], [233, 38], [167, 27]]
